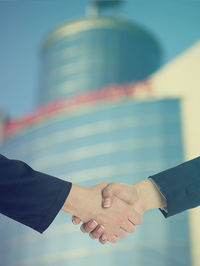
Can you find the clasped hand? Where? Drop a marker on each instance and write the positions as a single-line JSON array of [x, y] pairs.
[[108, 211]]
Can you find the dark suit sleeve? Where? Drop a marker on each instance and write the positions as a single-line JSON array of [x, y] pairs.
[[30, 197], [180, 186]]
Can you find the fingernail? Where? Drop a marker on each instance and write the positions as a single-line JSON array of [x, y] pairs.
[[107, 202], [82, 229], [73, 221], [92, 224], [100, 229]]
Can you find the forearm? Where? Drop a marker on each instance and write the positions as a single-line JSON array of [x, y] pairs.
[[28, 196], [181, 186]]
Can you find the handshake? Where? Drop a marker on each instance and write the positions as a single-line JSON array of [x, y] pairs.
[[111, 210]]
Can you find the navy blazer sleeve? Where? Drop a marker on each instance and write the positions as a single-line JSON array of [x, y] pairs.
[[30, 197], [181, 186]]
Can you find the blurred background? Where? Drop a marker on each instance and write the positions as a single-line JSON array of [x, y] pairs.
[[101, 90]]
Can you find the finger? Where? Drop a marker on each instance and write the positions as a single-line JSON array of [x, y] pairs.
[[98, 231], [128, 227], [75, 220], [103, 239], [89, 226], [135, 218], [122, 233]]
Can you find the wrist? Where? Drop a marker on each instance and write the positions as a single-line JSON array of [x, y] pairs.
[[149, 195], [74, 202]]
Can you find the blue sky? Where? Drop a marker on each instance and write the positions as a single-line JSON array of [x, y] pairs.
[[25, 23]]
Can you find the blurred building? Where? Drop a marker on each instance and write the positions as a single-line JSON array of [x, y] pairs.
[[181, 78], [103, 116], [95, 51]]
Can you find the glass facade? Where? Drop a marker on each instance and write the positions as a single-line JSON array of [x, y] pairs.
[[123, 141], [93, 52]]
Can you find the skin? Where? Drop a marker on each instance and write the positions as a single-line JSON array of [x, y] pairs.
[[114, 222], [140, 197]]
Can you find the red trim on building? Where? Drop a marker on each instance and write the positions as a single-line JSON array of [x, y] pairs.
[[113, 92]]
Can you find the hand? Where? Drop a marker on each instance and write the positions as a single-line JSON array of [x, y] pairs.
[[140, 196], [86, 203]]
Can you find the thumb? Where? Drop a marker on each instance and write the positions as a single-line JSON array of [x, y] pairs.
[[108, 196]]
